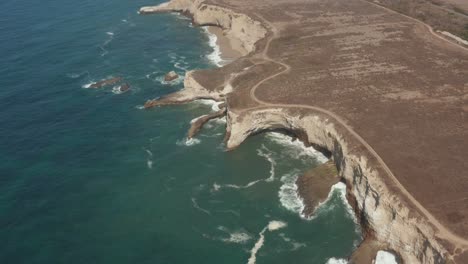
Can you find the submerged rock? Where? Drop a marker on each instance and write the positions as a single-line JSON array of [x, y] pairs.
[[171, 76], [105, 82], [124, 87]]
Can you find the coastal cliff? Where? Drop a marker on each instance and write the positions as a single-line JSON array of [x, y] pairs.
[[385, 215], [235, 25]]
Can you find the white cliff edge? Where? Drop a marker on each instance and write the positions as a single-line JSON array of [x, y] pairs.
[[381, 211]]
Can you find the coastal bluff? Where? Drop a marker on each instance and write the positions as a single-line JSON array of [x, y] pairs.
[[378, 90]]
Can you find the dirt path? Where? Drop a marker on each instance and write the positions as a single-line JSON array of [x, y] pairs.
[[441, 230], [431, 30]]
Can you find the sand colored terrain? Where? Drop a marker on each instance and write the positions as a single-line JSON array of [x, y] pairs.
[[383, 92]]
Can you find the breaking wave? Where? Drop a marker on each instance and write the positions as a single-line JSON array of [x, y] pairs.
[[296, 148], [288, 194], [188, 142], [337, 261], [327, 206], [215, 56], [384, 257]]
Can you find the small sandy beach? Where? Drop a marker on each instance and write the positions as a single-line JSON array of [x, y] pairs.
[[230, 48]]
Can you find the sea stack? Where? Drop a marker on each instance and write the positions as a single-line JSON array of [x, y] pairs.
[[171, 76]]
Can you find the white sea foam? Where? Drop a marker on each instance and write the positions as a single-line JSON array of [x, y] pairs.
[[267, 154], [262, 152], [337, 261], [174, 82], [76, 75], [149, 152], [149, 163], [384, 257], [272, 226], [238, 237], [288, 193], [196, 118], [326, 206], [296, 147], [188, 142], [87, 85], [216, 105], [116, 90], [295, 245], [196, 206], [209, 102], [215, 56]]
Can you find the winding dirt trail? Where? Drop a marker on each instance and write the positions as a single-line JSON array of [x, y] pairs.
[[441, 230]]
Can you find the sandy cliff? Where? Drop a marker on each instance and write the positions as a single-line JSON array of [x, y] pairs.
[[388, 217]]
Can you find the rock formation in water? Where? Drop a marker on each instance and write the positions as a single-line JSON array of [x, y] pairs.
[[170, 76], [105, 82]]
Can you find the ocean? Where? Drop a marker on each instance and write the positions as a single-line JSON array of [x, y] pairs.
[[87, 176]]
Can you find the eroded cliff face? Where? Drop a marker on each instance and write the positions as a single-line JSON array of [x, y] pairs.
[[379, 210], [235, 25]]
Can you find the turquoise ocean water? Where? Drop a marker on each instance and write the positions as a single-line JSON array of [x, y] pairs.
[[88, 177]]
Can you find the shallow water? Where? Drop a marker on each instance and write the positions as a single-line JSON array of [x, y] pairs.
[[88, 177]]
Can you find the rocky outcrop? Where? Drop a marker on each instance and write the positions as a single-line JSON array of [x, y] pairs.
[[234, 25], [170, 76], [380, 210], [197, 124], [192, 91], [124, 87], [315, 185], [105, 82]]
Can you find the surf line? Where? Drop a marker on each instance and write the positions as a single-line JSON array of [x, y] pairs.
[[272, 226]]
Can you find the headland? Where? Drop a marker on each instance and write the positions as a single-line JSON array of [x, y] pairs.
[[382, 92]]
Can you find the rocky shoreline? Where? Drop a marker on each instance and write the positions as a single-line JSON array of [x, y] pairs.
[[389, 220]]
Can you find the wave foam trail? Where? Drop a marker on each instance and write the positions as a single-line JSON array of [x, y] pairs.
[[295, 245], [262, 152], [384, 257], [337, 261], [102, 47], [272, 226], [149, 162], [215, 56], [77, 75], [296, 148], [288, 195], [196, 206]]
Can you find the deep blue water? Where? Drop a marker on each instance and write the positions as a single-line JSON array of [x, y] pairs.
[[88, 177]]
